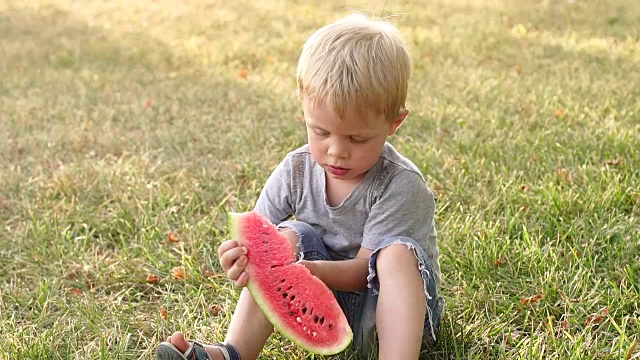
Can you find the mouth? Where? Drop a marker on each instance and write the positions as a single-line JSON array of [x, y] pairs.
[[337, 170]]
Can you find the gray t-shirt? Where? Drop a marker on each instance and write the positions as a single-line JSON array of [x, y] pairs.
[[391, 200]]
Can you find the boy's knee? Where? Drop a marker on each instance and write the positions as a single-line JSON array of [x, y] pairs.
[[394, 258], [294, 238], [298, 232]]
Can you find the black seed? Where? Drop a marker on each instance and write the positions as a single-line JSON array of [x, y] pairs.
[[322, 320], [291, 313], [304, 309], [293, 297], [284, 295], [279, 289], [283, 280], [330, 326], [315, 319]]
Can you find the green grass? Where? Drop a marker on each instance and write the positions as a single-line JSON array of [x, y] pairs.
[[123, 122]]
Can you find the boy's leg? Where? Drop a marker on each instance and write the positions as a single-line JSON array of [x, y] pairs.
[[402, 298], [248, 331], [401, 304]]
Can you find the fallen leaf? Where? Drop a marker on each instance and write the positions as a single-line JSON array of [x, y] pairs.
[[72, 275], [270, 59], [215, 309], [501, 260], [172, 237], [206, 272], [243, 73], [164, 312], [148, 103], [75, 291], [458, 290], [564, 324], [438, 190], [560, 113], [152, 278], [613, 162], [564, 175], [178, 273], [631, 350], [597, 318], [524, 188], [532, 299]]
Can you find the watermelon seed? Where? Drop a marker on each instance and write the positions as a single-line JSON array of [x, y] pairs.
[[283, 280], [279, 289], [322, 320], [299, 320], [330, 326], [291, 313], [315, 319], [284, 295], [314, 334], [293, 297], [304, 309], [304, 328], [290, 287]]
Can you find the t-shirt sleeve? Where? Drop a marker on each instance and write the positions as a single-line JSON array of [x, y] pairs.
[[276, 200], [406, 207]]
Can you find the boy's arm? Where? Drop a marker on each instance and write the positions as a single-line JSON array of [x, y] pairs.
[[345, 275]]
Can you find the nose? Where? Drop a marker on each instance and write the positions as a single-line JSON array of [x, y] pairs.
[[338, 149]]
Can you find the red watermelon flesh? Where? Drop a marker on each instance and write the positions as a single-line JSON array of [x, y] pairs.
[[299, 305]]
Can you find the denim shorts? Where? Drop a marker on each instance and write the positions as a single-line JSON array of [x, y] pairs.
[[360, 307]]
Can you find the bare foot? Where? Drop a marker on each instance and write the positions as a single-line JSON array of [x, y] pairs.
[[178, 340]]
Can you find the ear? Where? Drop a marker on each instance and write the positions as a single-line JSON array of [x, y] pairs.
[[398, 121]]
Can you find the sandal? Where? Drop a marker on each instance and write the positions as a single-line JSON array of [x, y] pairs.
[[196, 351]]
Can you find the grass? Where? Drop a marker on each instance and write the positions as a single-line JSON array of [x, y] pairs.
[[124, 125]]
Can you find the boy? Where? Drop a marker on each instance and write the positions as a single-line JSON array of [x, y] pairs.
[[364, 215]]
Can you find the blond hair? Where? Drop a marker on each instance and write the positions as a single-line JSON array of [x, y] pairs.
[[356, 62]]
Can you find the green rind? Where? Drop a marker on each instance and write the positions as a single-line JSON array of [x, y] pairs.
[[264, 305]]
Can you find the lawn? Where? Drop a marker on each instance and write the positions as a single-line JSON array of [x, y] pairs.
[[129, 129]]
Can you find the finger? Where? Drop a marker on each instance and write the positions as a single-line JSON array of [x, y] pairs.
[[237, 268], [242, 280], [226, 246], [230, 257]]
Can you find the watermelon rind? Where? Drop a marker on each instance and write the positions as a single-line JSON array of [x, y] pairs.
[[271, 314]]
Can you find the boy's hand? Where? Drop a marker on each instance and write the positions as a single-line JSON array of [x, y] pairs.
[[233, 259], [312, 266]]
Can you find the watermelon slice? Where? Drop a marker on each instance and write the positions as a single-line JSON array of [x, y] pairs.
[[299, 305]]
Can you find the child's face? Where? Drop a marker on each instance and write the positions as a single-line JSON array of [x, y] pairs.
[[346, 148]]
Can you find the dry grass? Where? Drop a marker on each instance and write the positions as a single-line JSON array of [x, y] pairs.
[[124, 122]]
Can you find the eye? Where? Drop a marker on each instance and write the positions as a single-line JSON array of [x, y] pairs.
[[320, 133], [357, 140]]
